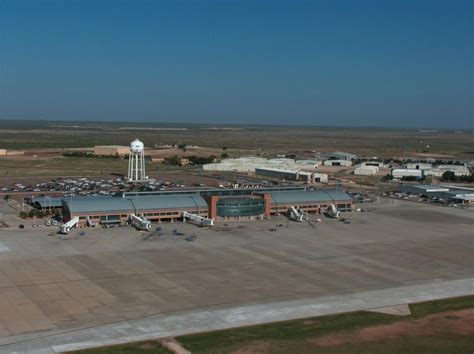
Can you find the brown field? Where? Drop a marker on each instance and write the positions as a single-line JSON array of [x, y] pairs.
[[253, 139]]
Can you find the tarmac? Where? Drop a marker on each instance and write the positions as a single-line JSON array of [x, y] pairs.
[[117, 285]]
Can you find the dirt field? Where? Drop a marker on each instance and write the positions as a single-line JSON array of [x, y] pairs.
[[255, 139], [446, 323]]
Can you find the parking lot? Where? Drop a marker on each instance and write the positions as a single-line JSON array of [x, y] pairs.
[[423, 199], [50, 284]]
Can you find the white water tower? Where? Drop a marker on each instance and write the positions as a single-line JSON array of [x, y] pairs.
[[136, 162]]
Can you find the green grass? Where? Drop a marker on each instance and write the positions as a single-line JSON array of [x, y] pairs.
[[151, 347], [422, 309], [228, 340]]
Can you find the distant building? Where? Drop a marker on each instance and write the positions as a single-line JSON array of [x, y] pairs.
[[250, 163], [338, 155], [5, 152], [400, 173], [418, 166], [379, 164], [308, 164], [437, 171], [362, 170], [184, 161], [458, 170], [292, 175], [338, 163], [107, 150], [447, 194], [423, 190]]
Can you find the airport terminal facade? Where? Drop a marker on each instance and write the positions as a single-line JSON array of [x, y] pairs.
[[217, 204]]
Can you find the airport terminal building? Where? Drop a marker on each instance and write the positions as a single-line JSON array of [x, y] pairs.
[[217, 204]]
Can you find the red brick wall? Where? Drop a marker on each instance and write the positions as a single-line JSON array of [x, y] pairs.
[[268, 204], [213, 206]]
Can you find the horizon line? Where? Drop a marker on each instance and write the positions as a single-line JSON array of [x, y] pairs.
[[120, 122]]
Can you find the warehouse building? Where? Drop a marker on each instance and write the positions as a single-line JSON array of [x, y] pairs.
[[418, 166], [437, 171], [400, 173], [458, 170], [338, 155], [250, 164], [308, 164], [5, 152], [292, 175], [218, 204], [448, 194], [423, 190], [109, 150], [281, 168], [366, 170], [459, 197], [379, 164], [338, 163]]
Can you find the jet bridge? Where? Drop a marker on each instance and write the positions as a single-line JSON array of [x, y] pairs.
[[197, 218]]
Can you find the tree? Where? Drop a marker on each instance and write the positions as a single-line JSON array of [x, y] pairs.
[[224, 148], [173, 161], [224, 155], [449, 176], [194, 160], [387, 177]]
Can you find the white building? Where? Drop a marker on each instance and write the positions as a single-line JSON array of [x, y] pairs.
[[418, 166], [459, 170], [338, 155], [378, 164], [292, 175], [399, 173], [338, 163], [278, 167], [362, 170], [242, 164]]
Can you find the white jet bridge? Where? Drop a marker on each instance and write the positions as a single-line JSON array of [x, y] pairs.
[[332, 212], [296, 214], [139, 222], [199, 219], [65, 228]]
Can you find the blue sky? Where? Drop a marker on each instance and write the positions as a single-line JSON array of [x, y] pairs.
[[357, 63]]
